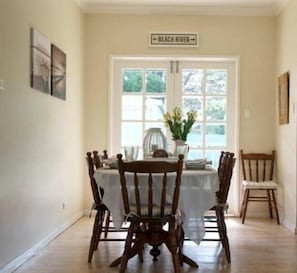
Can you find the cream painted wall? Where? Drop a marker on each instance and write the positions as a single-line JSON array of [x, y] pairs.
[[42, 137], [41, 145], [286, 134], [250, 38]]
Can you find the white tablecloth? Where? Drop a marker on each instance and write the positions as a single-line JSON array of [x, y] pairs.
[[197, 195]]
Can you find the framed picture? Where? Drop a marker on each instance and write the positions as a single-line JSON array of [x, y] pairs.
[[58, 73], [40, 61], [283, 98]]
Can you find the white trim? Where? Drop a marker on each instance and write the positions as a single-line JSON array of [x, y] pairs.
[[20, 260], [206, 58], [179, 10], [289, 226], [236, 173], [111, 86]]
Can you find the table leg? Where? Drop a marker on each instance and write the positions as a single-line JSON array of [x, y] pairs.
[[155, 252]]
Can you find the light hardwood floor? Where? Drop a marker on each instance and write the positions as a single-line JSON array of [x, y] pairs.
[[258, 246]]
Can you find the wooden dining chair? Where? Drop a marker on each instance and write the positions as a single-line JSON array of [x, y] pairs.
[[103, 217], [257, 171], [148, 213], [98, 164], [98, 204], [225, 171]]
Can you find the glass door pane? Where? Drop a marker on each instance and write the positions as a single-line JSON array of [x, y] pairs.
[[204, 89]]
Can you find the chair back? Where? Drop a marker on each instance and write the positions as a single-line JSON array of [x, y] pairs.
[[143, 200], [225, 171], [160, 153], [257, 166], [94, 162]]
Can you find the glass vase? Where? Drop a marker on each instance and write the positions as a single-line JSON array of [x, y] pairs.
[[181, 148], [154, 139]]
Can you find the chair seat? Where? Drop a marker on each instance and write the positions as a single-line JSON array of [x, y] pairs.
[[100, 206], [224, 206], [155, 213], [263, 185]]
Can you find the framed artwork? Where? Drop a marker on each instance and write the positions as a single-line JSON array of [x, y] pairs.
[[58, 73], [40, 61], [283, 98]]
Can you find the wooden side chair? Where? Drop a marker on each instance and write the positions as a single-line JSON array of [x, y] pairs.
[[98, 204], [98, 164], [225, 171], [148, 214], [103, 217], [257, 171]]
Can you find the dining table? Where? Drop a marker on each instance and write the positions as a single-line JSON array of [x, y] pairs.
[[197, 195]]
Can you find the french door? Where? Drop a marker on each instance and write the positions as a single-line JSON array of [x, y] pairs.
[[144, 89]]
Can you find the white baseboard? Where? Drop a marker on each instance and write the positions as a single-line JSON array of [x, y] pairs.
[[17, 262], [289, 226], [87, 212]]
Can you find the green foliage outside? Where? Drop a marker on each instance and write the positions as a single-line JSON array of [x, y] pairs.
[[132, 81], [156, 83]]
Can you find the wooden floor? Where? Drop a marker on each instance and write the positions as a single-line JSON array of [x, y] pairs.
[[258, 246]]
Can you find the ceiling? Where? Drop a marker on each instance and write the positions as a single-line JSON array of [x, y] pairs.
[[206, 7]]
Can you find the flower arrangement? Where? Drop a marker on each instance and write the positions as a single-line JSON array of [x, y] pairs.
[[179, 126]]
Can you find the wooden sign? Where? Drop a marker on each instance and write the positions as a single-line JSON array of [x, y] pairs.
[[159, 39]]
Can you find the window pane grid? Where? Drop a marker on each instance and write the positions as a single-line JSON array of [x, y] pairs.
[[205, 91], [144, 93], [144, 102]]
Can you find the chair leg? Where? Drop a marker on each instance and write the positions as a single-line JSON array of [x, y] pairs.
[[107, 222], [176, 262], [242, 204], [128, 243], [223, 232], [220, 224], [269, 203], [100, 227], [275, 206], [173, 244], [180, 238], [245, 204], [97, 227]]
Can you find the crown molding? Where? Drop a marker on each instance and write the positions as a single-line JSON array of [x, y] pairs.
[[173, 7]]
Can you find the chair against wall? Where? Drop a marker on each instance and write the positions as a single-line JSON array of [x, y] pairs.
[[257, 171], [225, 171], [147, 218], [103, 218], [98, 205], [98, 164]]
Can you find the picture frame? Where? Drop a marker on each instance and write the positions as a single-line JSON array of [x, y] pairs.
[[40, 61], [283, 98], [58, 73]]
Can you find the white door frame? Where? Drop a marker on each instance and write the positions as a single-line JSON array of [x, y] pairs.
[[234, 193]]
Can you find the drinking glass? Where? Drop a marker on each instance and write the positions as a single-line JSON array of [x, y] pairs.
[[131, 152]]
